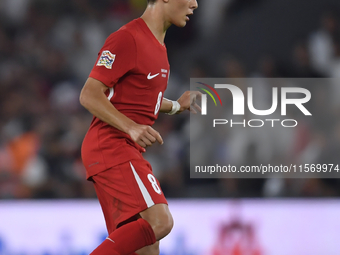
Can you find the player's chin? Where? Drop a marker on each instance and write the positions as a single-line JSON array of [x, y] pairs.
[[181, 24]]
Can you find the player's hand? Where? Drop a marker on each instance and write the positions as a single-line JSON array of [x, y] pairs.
[[144, 135], [188, 101]]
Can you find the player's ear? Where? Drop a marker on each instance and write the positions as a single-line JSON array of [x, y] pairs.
[[165, 1]]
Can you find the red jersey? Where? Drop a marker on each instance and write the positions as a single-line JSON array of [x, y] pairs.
[[135, 67]]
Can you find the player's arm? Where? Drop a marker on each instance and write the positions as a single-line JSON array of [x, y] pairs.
[[166, 105], [187, 101], [93, 98]]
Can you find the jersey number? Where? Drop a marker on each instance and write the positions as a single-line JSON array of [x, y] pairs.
[[159, 101], [153, 181]]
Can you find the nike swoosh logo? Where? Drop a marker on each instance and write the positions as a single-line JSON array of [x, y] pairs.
[[152, 76]]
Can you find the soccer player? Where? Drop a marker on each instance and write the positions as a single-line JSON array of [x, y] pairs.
[[124, 92]]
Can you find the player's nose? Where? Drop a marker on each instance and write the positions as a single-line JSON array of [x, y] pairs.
[[194, 4]]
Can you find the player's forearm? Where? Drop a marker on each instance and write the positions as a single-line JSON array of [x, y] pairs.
[[95, 101], [166, 105]]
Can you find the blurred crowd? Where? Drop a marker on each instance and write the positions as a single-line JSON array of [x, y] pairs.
[[47, 49]]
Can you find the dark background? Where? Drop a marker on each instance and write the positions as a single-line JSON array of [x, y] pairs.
[[47, 49]]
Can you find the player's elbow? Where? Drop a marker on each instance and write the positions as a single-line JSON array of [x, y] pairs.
[[84, 99], [92, 92]]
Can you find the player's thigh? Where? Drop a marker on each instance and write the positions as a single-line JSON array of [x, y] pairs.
[[149, 250], [126, 190], [147, 187]]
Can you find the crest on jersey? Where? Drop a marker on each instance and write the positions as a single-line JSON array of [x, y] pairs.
[[106, 59]]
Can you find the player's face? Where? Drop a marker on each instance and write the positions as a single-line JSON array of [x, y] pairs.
[[180, 10]]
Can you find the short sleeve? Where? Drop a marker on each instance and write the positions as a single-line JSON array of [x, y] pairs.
[[115, 59]]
